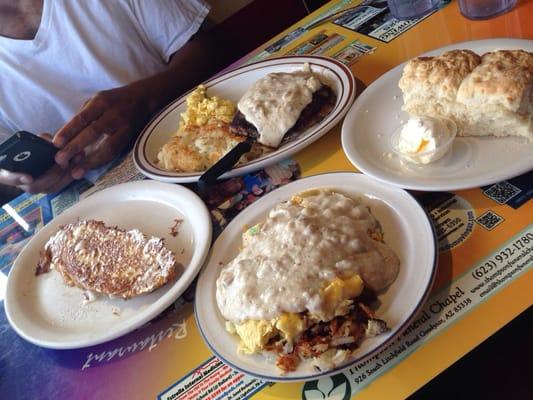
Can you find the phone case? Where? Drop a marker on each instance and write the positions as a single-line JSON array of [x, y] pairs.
[[27, 153]]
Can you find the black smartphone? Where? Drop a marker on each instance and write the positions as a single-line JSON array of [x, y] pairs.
[[27, 153]]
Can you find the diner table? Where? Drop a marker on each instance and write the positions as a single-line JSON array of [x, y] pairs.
[[484, 236]]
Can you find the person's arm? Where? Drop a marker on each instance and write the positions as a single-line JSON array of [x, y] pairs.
[[112, 119]]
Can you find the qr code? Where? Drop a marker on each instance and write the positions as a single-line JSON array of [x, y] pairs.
[[489, 220], [502, 192]]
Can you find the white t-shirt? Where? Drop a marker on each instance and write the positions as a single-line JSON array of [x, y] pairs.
[[85, 46]]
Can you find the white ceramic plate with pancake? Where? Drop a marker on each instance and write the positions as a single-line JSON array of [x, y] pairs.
[[232, 85], [407, 230], [47, 312], [472, 162]]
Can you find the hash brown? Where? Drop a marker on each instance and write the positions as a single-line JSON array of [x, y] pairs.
[[197, 147]]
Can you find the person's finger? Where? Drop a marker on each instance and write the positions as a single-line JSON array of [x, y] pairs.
[[91, 110], [88, 136], [47, 136], [52, 187], [14, 178], [78, 172], [79, 158], [106, 152], [47, 182], [61, 183]]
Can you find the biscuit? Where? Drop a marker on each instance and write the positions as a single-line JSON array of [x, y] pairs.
[[487, 95], [498, 95], [430, 84]]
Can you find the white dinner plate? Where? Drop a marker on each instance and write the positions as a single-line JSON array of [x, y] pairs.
[[232, 85], [473, 161], [407, 230], [47, 312]]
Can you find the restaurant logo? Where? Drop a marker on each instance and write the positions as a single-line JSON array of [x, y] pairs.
[[336, 387]]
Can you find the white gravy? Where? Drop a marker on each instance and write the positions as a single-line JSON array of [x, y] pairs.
[[274, 103], [296, 252]]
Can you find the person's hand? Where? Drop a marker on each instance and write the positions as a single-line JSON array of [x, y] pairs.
[[110, 121], [16, 179], [51, 181], [103, 128]]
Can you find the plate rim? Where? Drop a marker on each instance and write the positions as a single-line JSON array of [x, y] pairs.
[[412, 183], [202, 242], [343, 72], [420, 303]]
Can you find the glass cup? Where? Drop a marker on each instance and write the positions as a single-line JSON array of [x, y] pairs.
[[409, 9], [483, 9]]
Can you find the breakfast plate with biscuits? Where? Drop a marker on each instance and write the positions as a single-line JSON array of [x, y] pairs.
[[107, 265], [277, 107], [455, 118], [315, 276]]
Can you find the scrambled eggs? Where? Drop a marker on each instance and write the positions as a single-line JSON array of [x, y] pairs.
[[202, 109], [255, 334], [203, 136]]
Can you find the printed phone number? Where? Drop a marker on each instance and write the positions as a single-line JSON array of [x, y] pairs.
[[507, 256]]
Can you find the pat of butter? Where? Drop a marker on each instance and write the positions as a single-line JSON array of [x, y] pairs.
[[424, 139]]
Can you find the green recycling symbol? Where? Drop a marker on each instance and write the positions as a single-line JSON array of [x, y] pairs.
[[336, 387]]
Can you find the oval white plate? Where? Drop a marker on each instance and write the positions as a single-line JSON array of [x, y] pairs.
[[473, 162], [48, 313], [232, 85], [407, 230]]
